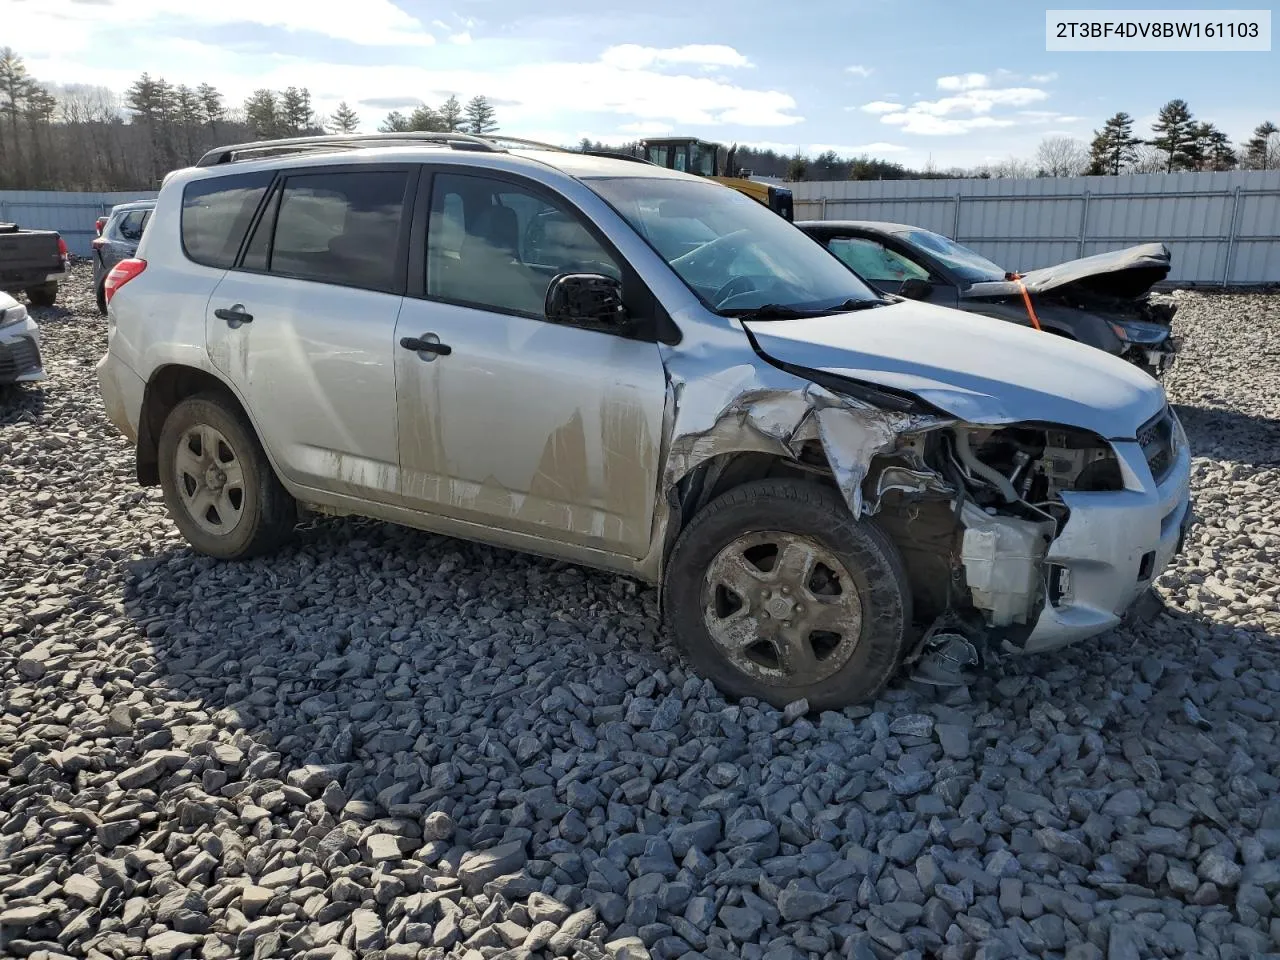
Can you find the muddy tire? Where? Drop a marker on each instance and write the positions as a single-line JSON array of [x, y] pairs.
[[44, 295], [218, 484], [773, 591]]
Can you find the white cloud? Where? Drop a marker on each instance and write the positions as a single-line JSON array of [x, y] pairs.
[[542, 96], [462, 39], [648, 128], [964, 81], [973, 105], [1043, 77], [63, 26], [813, 149], [858, 70], [631, 56], [929, 125]]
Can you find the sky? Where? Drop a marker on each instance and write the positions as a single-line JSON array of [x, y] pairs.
[[913, 81]]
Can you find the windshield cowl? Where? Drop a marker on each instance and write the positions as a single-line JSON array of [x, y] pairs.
[[777, 311]]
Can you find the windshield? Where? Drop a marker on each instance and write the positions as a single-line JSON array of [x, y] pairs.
[[733, 252], [964, 263]]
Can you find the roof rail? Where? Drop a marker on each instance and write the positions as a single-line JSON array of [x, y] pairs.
[[617, 156], [258, 148], [502, 140]]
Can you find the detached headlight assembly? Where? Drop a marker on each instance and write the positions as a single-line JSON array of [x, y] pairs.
[[1139, 332]]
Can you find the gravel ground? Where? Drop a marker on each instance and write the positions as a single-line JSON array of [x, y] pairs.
[[383, 743]]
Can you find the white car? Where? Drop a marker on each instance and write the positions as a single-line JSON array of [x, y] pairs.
[[20, 360], [643, 371]]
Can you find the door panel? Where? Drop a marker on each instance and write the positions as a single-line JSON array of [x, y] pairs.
[[524, 425], [322, 280], [315, 367], [531, 427]]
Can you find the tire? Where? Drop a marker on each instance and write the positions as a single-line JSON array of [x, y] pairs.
[[804, 516], [43, 295], [101, 295], [249, 513]]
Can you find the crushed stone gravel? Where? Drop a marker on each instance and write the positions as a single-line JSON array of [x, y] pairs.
[[387, 744]]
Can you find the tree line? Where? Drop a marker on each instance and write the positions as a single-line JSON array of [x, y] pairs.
[[86, 137]]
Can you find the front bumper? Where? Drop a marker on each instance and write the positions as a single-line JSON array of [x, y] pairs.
[[20, 359], [1111, 548]]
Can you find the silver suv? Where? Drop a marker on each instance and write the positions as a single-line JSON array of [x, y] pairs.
[[643, 371]]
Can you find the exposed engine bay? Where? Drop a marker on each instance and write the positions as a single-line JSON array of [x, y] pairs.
[[975, 545]]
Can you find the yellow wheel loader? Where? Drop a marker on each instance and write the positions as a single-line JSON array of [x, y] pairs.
[[711, 160]]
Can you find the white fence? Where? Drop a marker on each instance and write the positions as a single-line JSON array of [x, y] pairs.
[[71, 214], [1222, 228]]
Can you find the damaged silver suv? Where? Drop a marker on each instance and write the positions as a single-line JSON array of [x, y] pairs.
[[638, 370]]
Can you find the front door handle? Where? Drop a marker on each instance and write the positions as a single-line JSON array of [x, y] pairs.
[[234, 315], [428, 343]]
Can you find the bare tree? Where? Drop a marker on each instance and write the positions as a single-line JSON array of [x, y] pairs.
[[1061, 157], [1147, 158]]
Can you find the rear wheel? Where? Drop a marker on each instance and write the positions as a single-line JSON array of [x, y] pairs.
[[101, 293], [218, 485], [43, 295], [775, 592]]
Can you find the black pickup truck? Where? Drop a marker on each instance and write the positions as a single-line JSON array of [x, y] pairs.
[[32, 261]]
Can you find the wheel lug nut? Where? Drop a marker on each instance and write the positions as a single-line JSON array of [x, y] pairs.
[[786, 590]]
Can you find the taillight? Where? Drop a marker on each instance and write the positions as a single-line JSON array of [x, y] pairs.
[[99, 224], [62, 248], [120, 274]]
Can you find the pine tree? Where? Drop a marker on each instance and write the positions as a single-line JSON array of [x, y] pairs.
[[344, 119], [295, 115], [262, 114], [396, 122], [797, 167], [189, 115], [211, 105], [480, 117], [1210, 149], [426, 119], [15, 87], [1174, 131], [1113, 146], [1261, 151], [451, 114]]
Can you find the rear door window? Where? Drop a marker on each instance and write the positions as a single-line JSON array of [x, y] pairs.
[[131, 225], [216, 213], [342, 228]]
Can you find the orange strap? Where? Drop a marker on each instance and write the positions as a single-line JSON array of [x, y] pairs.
[[1026, 298]]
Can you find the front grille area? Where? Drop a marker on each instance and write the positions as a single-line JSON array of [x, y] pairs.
[[1156, 437], [18, 357]]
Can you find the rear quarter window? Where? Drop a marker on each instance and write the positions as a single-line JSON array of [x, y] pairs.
[[217, 212]]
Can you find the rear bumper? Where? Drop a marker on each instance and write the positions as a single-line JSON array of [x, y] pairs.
[[20, 359], [1111, 549], [122, 394]]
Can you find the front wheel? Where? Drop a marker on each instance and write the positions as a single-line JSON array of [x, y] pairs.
[[774, 591], [218, 485]]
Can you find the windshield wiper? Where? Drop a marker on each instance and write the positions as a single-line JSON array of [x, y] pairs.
[[778, 311]]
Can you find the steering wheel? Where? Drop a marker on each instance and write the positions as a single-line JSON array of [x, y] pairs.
[[738, 285], [710, 252]]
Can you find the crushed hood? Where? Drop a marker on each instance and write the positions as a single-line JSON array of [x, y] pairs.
[[975, 368], [1126, 273]]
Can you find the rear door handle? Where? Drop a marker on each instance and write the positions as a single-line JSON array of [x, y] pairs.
[[235, 315], [427, 343]]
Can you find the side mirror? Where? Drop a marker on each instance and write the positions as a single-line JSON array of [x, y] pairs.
[[916, 289], [585, 298]]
